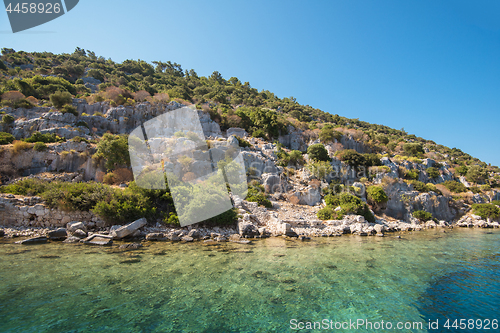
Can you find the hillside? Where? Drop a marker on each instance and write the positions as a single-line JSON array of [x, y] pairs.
[[64, 132]]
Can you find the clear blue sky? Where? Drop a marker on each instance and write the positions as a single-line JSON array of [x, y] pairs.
[[432, 67]]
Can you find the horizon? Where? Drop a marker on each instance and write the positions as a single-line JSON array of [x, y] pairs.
[[416, 66]]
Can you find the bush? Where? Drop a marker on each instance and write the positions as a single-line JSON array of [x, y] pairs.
[[8, 119], [114, 150], [413, 149], [296, 157], [19, 146], [69, 109], [332, 200], [411, 174], [486, 210], [243, 143], [79, 139], [256, 194], [422, 215], [6, 138], [433, 172], [419, 186], [325, 213], [45, 138], [454, 186], [376, 194], [259, 134], [318, 152], [476, 174], [59, 99], [320, 170], [40, 146]]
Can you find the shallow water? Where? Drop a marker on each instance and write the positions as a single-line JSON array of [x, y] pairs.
[[167, 287]]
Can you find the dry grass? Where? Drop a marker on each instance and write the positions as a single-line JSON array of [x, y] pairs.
[[18, 146]]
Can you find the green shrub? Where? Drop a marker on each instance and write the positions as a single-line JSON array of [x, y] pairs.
[[40, 146], [79, 139], [496, 202], [486, 210], [8, 119], [296, 157], [376, 194], [411, 174], [60, 98], [259, 134], [320, 170], [318, 152], [243, 143], [45, 138], [6, 138], [332, 200], [114, 150], [454, 186], [422, 215], [351, 157], [419, 186], [433, 172], [462, 170], [413, 149], [349, 204], [69, 109], [476, 174], [474, 189], [325, 213], [256, 194]]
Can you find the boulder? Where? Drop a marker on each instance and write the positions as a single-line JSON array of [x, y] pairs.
[[247, 229], [233, 142], [98, 239], [155, 236], [58, 234], [187, 239], [271, 182], [379, 228], [194, 233], [72, 226], [173, 236], [34, 240], [130, 228], [72, 239], [236, 131], [80, 233]]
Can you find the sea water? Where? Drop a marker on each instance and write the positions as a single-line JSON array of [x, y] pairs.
[[271, 285]]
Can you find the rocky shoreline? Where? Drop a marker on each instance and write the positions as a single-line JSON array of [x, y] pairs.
[[245, 231]]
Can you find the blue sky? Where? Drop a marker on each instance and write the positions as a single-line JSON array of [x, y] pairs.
[[432, 67]]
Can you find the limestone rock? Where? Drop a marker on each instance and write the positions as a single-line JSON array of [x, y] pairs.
[[72, 239], [187, 239], [236, 131], [271, 183], [194, 233], [155, 236], [130, 228], [80, 233], [98, 239], [73, 226], [58, 234]]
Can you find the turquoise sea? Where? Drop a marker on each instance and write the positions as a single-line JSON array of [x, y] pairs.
[[272, 285]]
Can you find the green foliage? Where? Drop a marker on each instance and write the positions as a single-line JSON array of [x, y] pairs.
[[318, 152], [476, 174], [376, 194], [256, 194], [462, 170], [419, 186], [40, 146], [496, 202], [114, 150], [351, 157], [422, 215], [69, 109], [79, 139], [82, 123], [6, 138], [8, 119], [328, 134], [320, 170], [411, 174], [413, 149], [259, 134], [45, 138], [296, 157], [60, 98], [432, 172], [486, 210], [454, 186], [243, 143], [349, 204]]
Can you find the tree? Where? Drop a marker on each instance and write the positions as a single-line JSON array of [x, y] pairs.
[[476, 174], [328, 134], [318, 152], [351, 157]]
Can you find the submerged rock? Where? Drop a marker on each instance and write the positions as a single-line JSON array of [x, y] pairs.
[[34, 240], [72, 239], [155, 236], [98, 239], [130, 246]]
